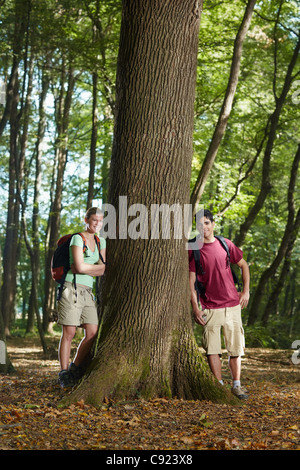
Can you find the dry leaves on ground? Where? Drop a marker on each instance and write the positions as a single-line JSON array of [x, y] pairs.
[[31, 419]]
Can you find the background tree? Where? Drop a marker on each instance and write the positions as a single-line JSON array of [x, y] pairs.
[[13, 115], [221, 125], [61, 146], [288, 239]]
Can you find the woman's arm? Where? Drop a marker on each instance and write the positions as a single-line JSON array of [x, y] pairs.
[[80, 267]]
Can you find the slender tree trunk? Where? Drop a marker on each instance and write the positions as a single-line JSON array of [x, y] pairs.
[[226, 108], [146, 345], [292, 226], [22, 182], [12, 226], [22, 9], [93, 142], [13, 115], [272, 302], [6, 366], [293, 314], [34, 245], [62, 117], [272, 124]]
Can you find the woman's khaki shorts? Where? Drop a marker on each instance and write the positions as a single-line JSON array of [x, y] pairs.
[[230, 320], [76, 307]]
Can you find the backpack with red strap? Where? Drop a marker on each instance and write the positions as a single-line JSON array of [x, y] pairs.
[[60, 264]]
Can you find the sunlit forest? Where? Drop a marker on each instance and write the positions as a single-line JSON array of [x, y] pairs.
[[58, 67]]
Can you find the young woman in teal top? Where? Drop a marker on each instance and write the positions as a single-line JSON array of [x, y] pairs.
[[77, 306]]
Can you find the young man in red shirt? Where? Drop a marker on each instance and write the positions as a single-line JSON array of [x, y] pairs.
[[220, 305]]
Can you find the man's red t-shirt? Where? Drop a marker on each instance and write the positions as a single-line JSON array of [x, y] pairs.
[[220, 291]]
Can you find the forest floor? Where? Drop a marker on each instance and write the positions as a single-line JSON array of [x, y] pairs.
[[31, 418]]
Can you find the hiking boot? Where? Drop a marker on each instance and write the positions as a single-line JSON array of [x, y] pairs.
[[76, 372], [65, 379], [240, 392]]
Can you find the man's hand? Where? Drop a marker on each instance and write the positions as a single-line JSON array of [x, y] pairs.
[[244, 298], [198, 314], [199, 317], [245, 294]]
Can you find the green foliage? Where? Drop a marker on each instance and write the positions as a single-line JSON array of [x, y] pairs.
[[259, 337]]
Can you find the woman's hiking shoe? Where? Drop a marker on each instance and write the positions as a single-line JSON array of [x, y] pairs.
[[76, 372], [240, 392], [65, 379], [69, 378]]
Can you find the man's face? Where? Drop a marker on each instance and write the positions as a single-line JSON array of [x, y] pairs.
[[206, 228]]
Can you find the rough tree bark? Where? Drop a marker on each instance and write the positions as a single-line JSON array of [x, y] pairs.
[[146, 346]]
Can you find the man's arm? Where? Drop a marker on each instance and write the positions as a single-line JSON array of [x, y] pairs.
[[245, 294], [198, 314]]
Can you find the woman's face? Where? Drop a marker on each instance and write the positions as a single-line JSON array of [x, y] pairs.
[[94, 223]]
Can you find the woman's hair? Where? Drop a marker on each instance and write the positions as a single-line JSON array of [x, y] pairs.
[[92, 211]]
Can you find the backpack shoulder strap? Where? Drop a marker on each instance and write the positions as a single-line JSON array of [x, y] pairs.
[[83, 239], [97, 240], [197, 255], [197, 260], [224, 245]]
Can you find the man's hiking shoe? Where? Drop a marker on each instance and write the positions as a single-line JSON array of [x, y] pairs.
[[240, 392], [65, 379], [76, 372]]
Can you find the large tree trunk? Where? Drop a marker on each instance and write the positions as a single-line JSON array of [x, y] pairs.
[[146, 345]]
